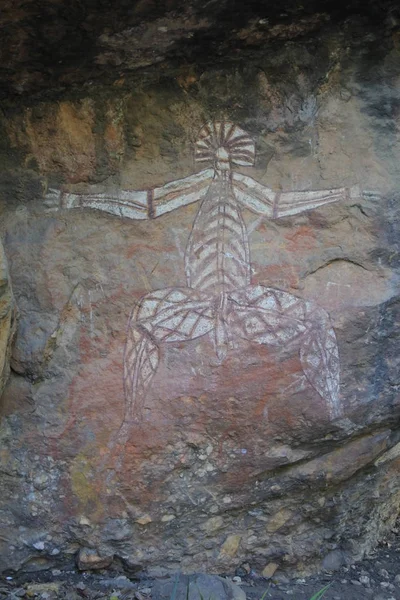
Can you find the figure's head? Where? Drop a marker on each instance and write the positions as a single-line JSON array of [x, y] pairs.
[[224, 144]]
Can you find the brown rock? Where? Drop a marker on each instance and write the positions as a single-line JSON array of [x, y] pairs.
[[88, 559], [213, 524], [231, 545], [35, 589], [145, 520], [269, 570], [279, 520]]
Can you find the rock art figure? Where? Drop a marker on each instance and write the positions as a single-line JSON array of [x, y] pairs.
[[219, 298]]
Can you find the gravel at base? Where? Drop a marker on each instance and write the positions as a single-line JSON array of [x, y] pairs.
[[377, 577]]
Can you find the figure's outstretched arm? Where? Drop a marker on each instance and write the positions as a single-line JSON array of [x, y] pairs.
[[145, 204], [262, 200]]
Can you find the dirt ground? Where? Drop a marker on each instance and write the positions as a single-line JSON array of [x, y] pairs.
[[377, 577]]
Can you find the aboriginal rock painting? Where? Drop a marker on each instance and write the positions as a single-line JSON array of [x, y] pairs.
[[219, 298]]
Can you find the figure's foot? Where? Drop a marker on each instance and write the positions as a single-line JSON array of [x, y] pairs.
[[114, 456], [299, 384]]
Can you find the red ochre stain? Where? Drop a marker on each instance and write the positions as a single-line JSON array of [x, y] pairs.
[[282, 276], [303, 238]]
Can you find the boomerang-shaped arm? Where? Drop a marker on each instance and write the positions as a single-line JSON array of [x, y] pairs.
[[145, 204], [262, 200]]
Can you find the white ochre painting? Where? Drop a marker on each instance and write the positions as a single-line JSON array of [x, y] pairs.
[[218, 298]]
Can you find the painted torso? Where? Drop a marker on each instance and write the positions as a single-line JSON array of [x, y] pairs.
[[217, 253]]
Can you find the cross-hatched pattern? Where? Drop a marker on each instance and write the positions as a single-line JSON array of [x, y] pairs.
[[141, 359], [168, 315], [175, 314], [319, 355], [279, 319], [266, 316]]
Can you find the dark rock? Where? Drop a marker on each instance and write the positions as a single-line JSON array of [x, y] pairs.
[[121, 582], [197, 587], [59, 45], [334, 560]]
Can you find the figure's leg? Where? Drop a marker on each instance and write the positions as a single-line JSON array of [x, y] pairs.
[[319, 355], [141, 358], [162, 316], [168, 315], [281, 320]]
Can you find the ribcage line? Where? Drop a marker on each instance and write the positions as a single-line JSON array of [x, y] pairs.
[[217, 255]]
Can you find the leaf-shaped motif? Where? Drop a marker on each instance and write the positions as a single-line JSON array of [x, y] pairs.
[[266, 316], [140, 364], [175, 314], [277, 318], [319, 357]]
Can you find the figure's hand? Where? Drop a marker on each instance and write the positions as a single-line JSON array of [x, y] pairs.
[[371, 195], [356, 192], [52, 199]]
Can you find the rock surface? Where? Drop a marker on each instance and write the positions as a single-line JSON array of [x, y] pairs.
[[89, 560], [236, 457], [374, 577], [196, 587], [7, 320], [61, 44]]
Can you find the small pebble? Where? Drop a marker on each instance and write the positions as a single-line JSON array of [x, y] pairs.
[[384, 584], [56, 572], [237, 579], [365, 580], [281, 579], [38, 545], [355, 582], [146, 591], [243, 570], [80, 586], [384, 573]]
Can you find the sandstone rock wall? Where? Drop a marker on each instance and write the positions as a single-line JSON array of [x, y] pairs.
[[241, 449], [7, 320]]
